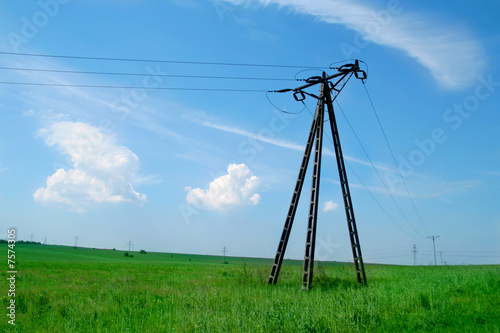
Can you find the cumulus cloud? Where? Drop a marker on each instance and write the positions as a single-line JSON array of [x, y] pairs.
[[451, 54], [238, 187], [102, 170], [330, 206]]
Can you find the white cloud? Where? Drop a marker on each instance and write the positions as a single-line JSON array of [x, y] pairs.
[[453, 57], [102, 170], [330, 206], [238, 187]]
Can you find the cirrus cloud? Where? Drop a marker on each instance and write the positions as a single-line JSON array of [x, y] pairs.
[[102, 170], [450, 52]]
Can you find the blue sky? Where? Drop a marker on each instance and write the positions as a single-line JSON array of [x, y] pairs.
[[193, 171]]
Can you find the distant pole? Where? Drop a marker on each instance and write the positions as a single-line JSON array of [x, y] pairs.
[[45, 241], [224, 250], [76, 241], [129, 245], [441, 257], [434, 246], [414, 250], [31, 237]]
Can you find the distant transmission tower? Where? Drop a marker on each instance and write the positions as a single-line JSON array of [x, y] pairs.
[[224, 250], [76, 241], [414, 250], [325, 101]]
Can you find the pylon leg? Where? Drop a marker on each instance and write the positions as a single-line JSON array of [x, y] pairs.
[[313, 205], [280, 253], [351, 221]]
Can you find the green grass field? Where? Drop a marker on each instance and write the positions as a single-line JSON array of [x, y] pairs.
[[62, 289]]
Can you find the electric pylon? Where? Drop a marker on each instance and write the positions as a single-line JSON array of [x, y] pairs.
[[414, 251], [327, 87], [224, 250]]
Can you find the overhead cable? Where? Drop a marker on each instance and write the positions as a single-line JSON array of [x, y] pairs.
[[378, 173], [129, 87], [394, 159], [157, 60], [142, 74]]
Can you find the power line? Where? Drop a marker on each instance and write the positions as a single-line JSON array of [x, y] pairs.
[[394, 158], [469, 251], [378, 173], [362, 183], [387, 256], [366, 187], [142, 74], [129, 87], [378, 202], [158, 60], [471, 256]]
